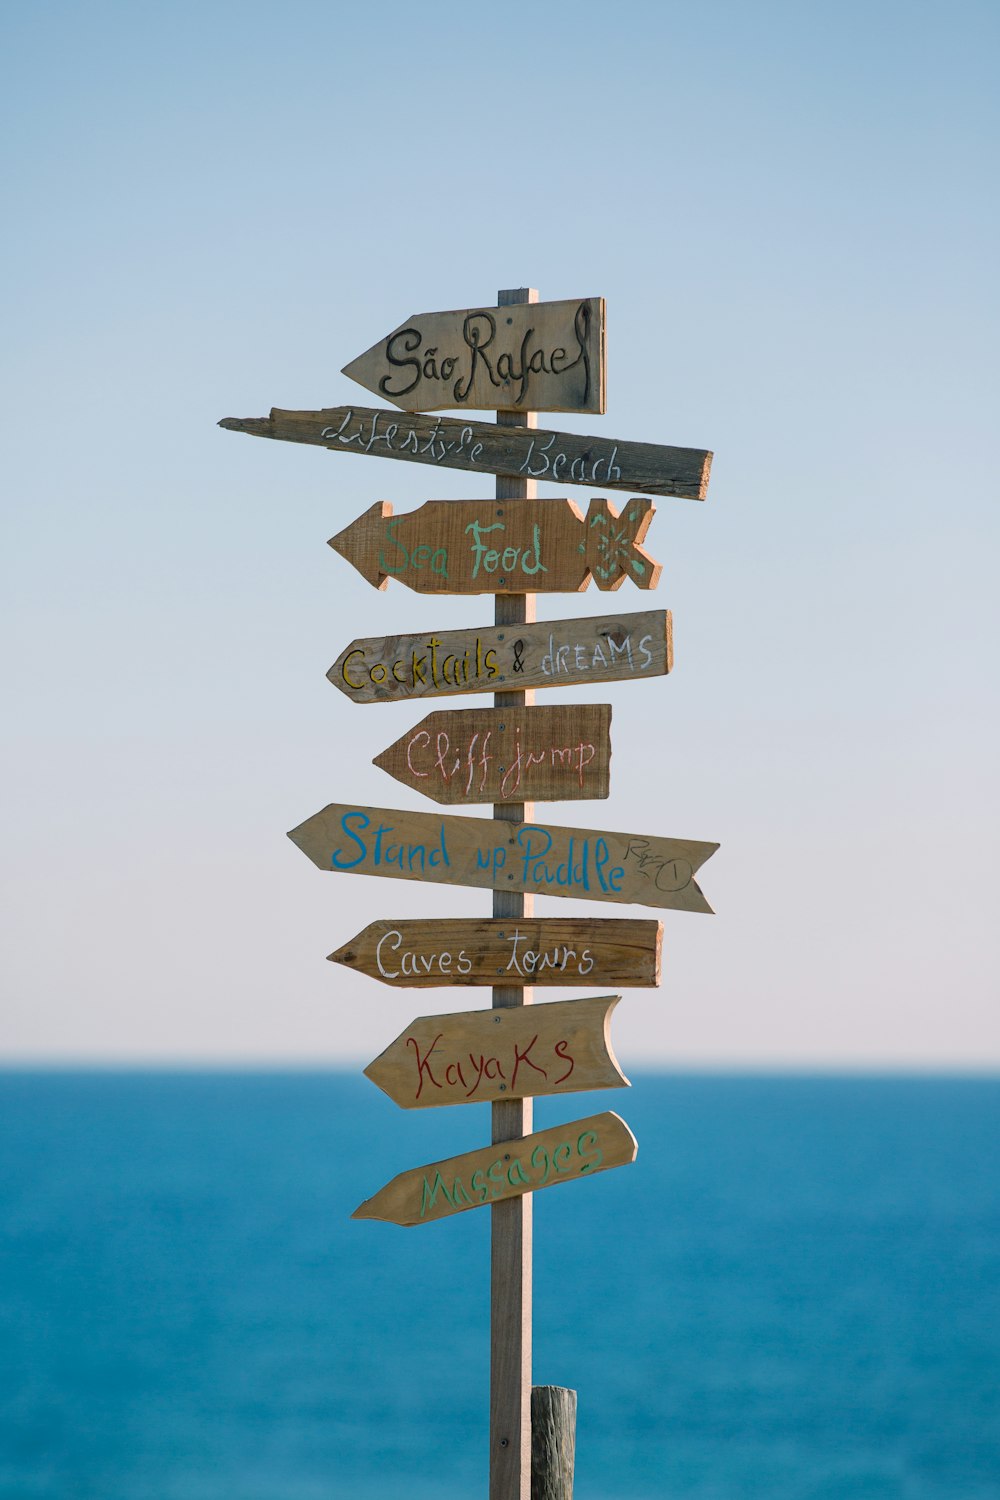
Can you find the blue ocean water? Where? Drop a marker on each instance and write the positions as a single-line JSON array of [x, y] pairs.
[[793, 1294]]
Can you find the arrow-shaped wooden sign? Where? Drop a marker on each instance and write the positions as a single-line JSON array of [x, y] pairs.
[[515, 1052], [599, 463], [492, 547], [539, 356], [551, 653], [508, 1170], [517, 951], [467, 755], [441, 849]]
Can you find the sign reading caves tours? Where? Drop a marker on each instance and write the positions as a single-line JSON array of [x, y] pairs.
[[520, 951]]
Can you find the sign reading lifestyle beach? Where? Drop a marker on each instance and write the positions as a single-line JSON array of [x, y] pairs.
[[517, 358]]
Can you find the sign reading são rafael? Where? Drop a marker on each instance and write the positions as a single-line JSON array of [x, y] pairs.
[[517, 358]]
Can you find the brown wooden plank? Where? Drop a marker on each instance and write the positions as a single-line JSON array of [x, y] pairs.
[[509, 1169], [538, 356], [470, 755], [472, 1056], [598, 463], [493, 853], [513, 951], [497, 547], [549, 653], [512, 1221]]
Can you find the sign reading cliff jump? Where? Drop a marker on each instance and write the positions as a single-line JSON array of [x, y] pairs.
[[557, 754], [539, 356], [477, 448], [553, 653], [491, 853], [476, 1055], [489, 547]]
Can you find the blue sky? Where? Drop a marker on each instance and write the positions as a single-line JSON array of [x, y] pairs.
[[789, 210]]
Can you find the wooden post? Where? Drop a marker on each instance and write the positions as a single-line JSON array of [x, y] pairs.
[[510, 1279], [553, 1442]]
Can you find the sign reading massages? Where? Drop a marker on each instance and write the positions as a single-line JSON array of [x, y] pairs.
[[538, 356]]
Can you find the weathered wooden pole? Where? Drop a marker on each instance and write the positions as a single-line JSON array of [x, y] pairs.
[[553, 1442], [510, 1278]]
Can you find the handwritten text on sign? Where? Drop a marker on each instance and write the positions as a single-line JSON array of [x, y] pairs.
[[519, 951], [524, 453], [556, 653], [541, 356], [490, 547], [508, 1170], [513, 1053], [491, 853], [469, 755]]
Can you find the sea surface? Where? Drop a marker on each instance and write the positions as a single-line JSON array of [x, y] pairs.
[[793, 1294]]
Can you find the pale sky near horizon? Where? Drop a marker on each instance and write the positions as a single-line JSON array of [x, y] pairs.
[[791, 213]]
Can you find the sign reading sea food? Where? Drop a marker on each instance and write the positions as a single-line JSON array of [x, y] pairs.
[[490, 547], [469, 755], [479, 448], [513, 1053], [517, 952], [551, 653], [564, 1154], [442, 849], [539, 356]]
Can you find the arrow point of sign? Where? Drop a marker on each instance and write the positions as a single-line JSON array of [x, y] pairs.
[[358, 543]]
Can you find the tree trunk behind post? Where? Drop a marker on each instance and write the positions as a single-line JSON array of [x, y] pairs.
[[553, 1442], [510, 1288]]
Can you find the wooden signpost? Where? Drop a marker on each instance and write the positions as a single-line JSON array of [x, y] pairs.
[[505, 1170], [545, 356], [537, 950], [492, 1054], [466, 755], [598, 463], [551, 653], [487, 547], [515, 359], [502, 855]]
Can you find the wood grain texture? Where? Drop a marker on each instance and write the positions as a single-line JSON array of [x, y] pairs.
[[549, 653], [501, 547], [469, 755], [512, 1222], [518, 951], [598, 463], [503, 1171], [506, 856], [553, 1442], [538, 356], [513, 1052]]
